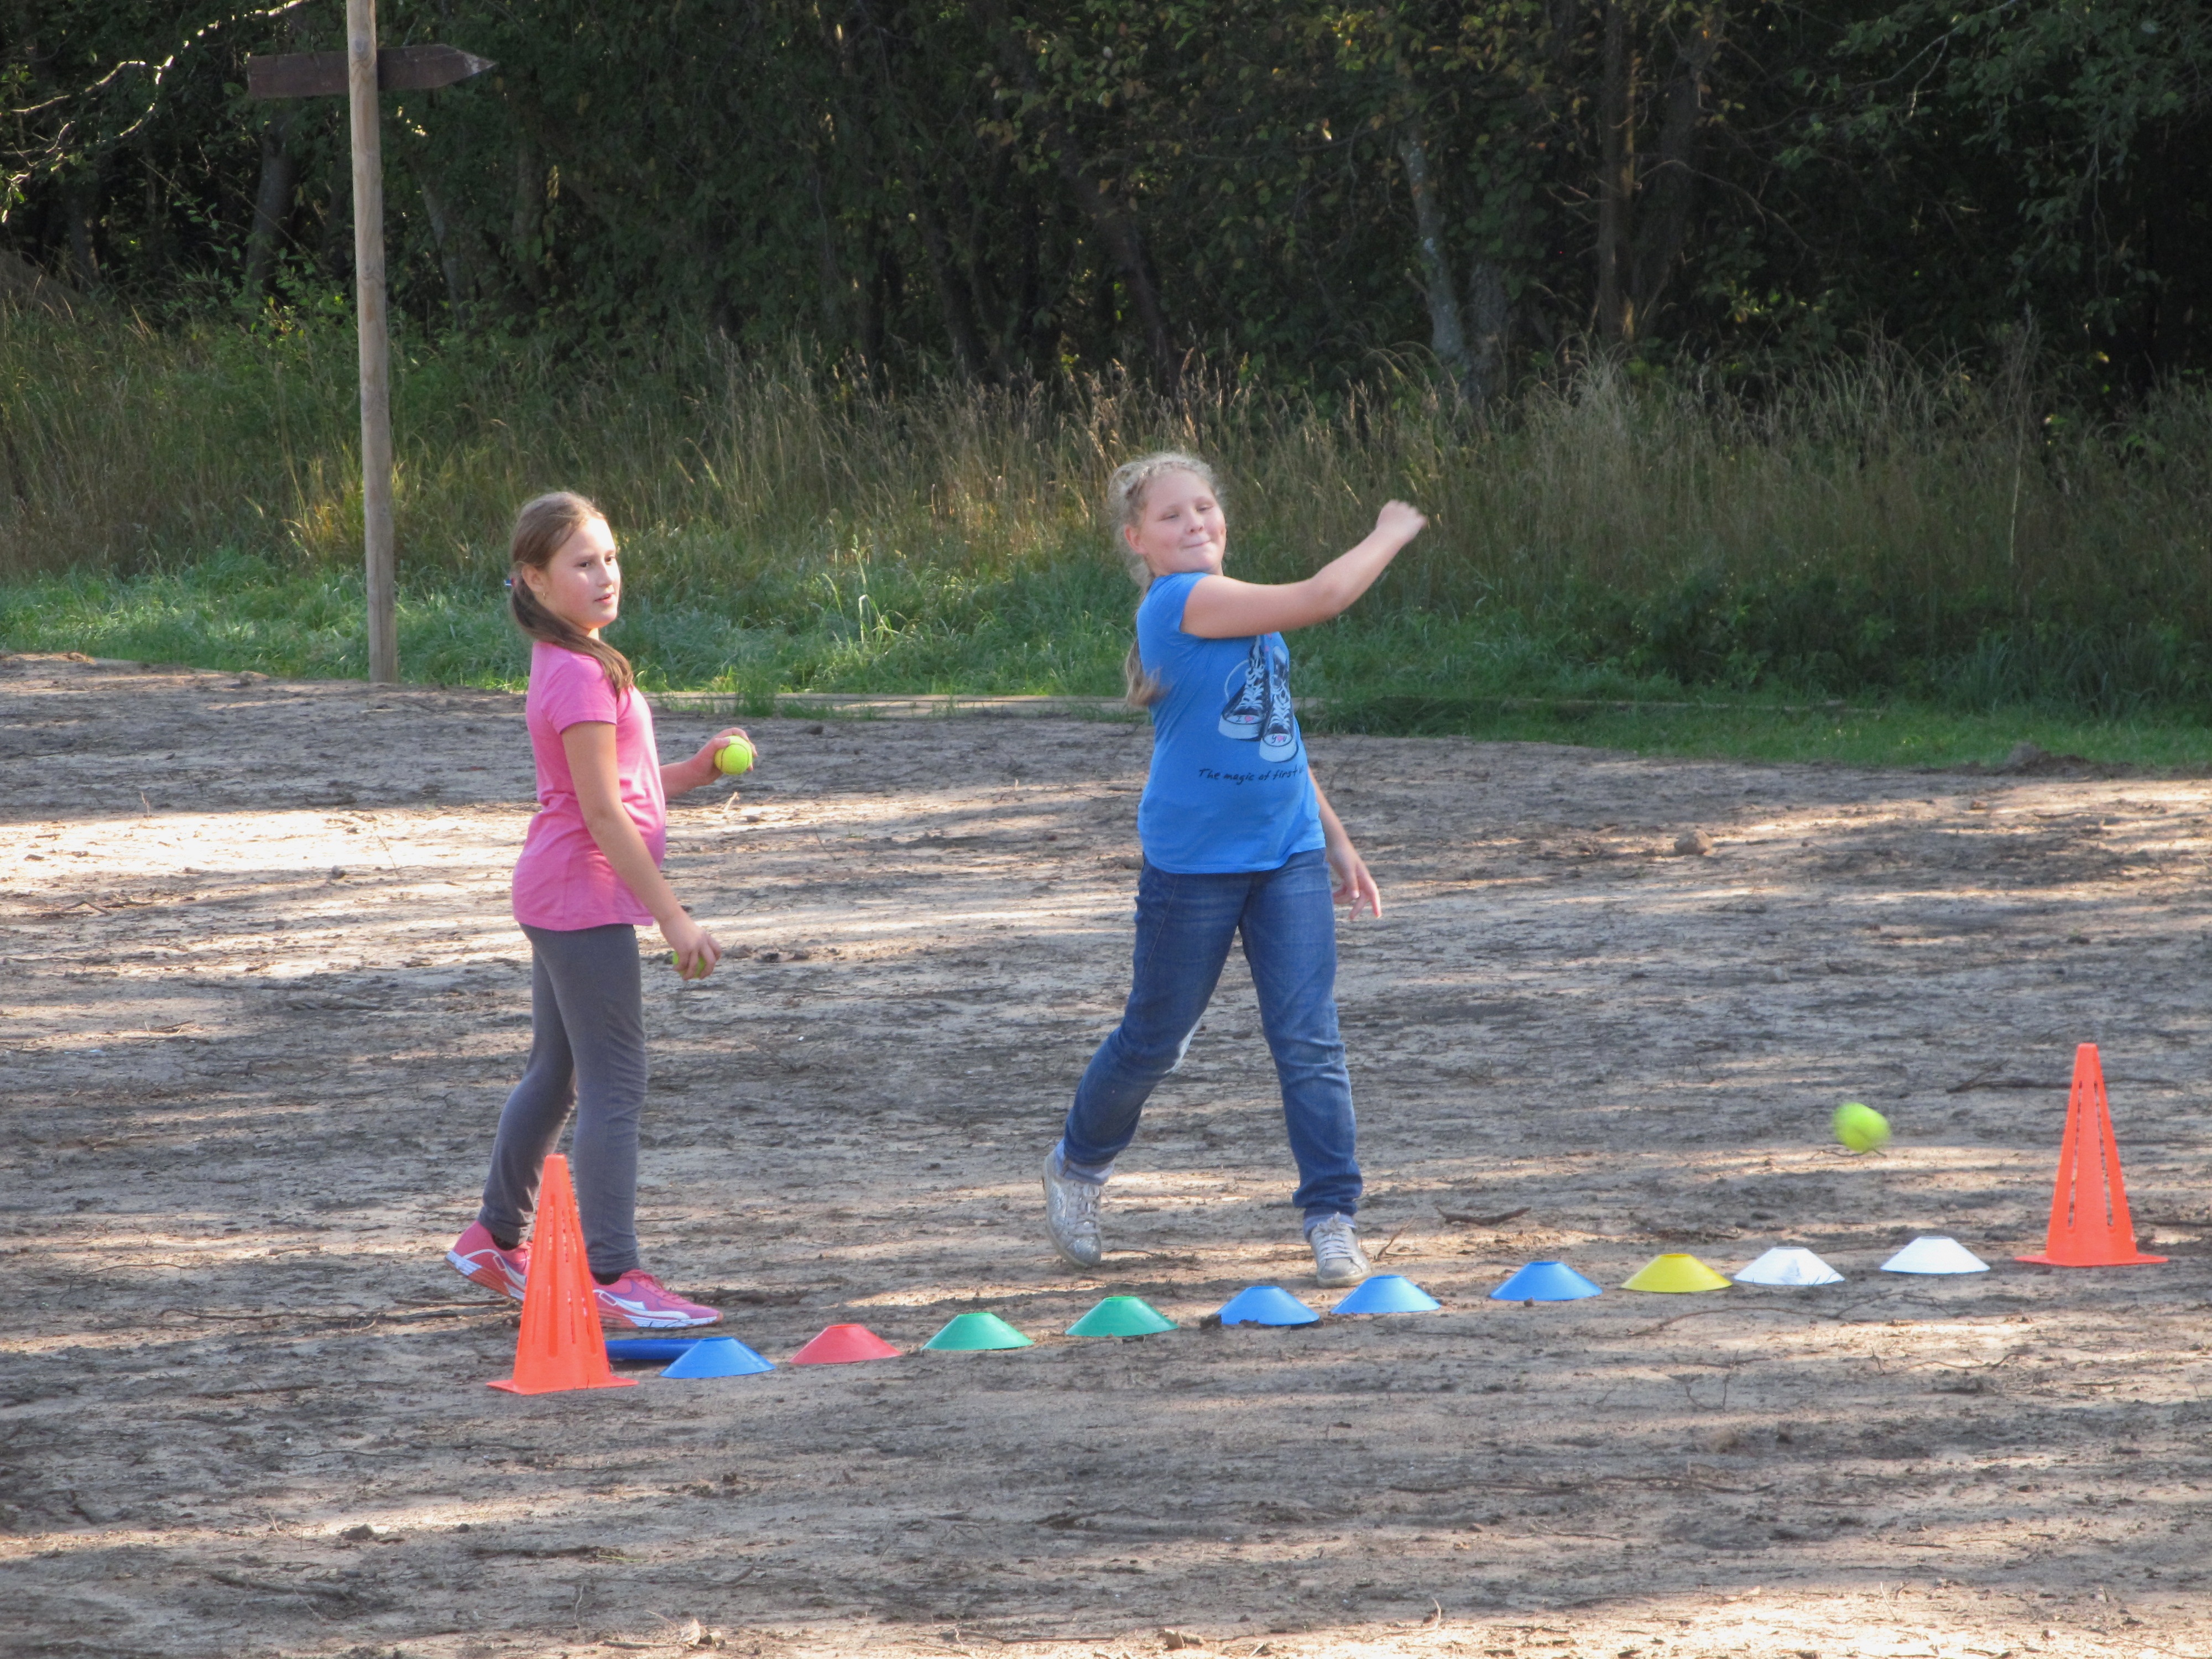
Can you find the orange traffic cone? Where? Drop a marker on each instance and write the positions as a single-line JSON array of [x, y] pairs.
[[561, 1346], [2089, 1225]]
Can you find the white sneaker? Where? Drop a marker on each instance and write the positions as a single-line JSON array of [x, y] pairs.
[[1071, 1214], [1338, 1259]]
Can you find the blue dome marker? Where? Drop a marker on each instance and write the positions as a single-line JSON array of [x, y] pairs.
[[1545, 1281], [1266, 1304], [719, 1355], [1388, 1293]]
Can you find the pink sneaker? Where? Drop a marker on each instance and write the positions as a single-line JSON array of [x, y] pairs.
[[638, 1300], [475, 1256]]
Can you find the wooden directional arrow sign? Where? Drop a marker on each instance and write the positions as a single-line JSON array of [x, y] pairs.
[[360, 73], [322, 74]]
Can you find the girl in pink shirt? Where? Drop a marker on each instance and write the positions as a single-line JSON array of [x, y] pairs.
[[589, 876]]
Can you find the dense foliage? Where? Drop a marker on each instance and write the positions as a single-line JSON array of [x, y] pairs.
[[1005, 190]]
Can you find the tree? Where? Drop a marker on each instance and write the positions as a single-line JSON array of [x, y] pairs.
[[1002, 188]]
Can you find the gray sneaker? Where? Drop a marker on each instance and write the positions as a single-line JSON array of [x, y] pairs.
[[1338, 1259], [1071, 1214]]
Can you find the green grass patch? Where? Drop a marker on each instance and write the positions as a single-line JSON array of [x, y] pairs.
[[1898, 536], [1897, 734], [1059, 630]]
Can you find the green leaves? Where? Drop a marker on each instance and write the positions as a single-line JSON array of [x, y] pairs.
[[1004, 189], [2067, 116]]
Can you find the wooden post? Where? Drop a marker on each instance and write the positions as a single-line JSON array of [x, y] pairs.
[[361, 71], [376, 347]]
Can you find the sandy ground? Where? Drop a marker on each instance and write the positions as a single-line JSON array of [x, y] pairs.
[[263, 1000]]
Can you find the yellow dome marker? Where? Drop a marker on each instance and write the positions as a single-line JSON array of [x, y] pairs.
[[1676, 1272]]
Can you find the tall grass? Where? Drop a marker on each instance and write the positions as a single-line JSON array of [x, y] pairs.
[[1885, 526]]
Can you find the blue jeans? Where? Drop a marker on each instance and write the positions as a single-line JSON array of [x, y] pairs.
[[1184, 926]]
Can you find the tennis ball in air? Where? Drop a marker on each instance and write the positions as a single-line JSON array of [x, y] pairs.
[[1860, 1128], [735, 756]]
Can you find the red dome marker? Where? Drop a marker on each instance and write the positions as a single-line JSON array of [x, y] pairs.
[[844, 1345]]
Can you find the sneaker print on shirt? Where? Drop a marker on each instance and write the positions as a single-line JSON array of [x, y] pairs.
[[1247, 696], [1258, 709], [1279, 732]]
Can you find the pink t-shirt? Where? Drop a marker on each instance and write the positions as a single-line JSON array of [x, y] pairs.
[[563, 880]]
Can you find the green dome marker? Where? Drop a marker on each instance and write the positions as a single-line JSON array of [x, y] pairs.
[[970, 1333], [1122, 1316]]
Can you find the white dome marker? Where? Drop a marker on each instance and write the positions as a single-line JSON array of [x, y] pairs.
[[1789, 1265], [1935, 1255]]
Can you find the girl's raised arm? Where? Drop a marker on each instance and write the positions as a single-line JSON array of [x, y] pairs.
[[1222, 608]]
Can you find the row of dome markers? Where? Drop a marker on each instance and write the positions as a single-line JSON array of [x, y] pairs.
[[561, 1346], [1676, 1272]]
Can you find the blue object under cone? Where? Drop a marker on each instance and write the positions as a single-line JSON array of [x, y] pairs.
[[1388, 1293], [1266, 1304], [1545, 1281], [719, 1355], [649, 1350]]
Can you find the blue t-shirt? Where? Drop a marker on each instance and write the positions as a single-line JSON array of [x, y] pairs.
[[1228, 789]]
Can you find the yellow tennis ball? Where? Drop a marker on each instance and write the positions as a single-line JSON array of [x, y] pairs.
[[1861, 1128], [735, 756]]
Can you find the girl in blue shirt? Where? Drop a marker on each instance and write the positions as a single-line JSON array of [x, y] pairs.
[[1238, 839]]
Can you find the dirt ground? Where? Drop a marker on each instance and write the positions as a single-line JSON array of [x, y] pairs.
[[263, 1000]]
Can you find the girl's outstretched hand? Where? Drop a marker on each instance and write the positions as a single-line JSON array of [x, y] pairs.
[[700, 768], [1401, 521], [696, 952], [719, 742], [1354, 886]]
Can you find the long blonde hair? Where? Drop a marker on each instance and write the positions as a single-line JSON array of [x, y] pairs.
[[544, 523], [1125, 500]]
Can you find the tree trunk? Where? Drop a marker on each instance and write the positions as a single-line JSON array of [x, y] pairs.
[[81, 206], [1616, 183], [272, 203], [879, 292], [1032, 338], [1447, 333], [969, 216], [952, 294], [1119, 233], [526, 226], [1490, 321], [944, 276], [446, 237], [834, 287], [280, 175], [1669, 189], [337, 256]]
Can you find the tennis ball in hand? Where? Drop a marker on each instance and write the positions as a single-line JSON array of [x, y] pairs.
[[1860, 1128], [735, 756]]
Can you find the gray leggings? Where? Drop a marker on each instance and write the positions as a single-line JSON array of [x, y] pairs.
[[587, 1047]]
